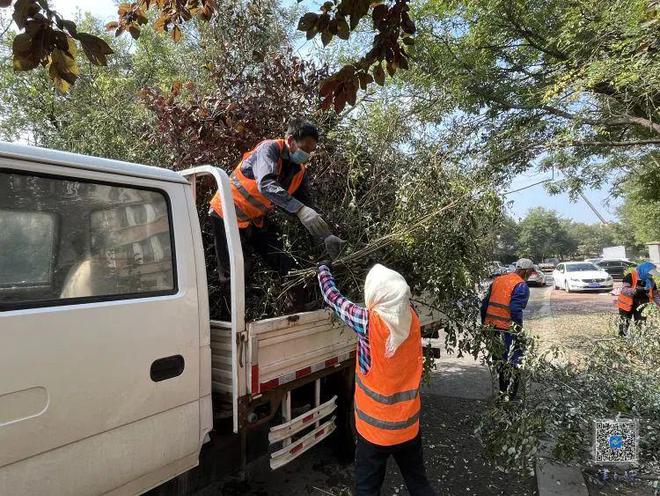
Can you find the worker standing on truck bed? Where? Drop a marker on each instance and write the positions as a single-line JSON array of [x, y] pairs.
[[388, 373], [502, 309], [638, 289], [271, 175]]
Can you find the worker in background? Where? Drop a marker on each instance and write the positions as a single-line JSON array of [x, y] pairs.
[[271, 175], [502, 309], [387, 379], [638, 289]]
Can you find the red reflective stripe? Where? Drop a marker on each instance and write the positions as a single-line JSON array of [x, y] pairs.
[[308, 418], [266, 386], [296, 449], [273, 383], [255, 379], [303, 372], [331, 362], [319, 433]]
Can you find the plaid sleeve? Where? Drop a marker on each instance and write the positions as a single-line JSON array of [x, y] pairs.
[[354, 316]]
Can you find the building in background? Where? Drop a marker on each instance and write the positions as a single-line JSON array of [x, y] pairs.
[[654, 251]]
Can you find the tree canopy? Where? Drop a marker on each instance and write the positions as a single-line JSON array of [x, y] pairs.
[[573, 86]]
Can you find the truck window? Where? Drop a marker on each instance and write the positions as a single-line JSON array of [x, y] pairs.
[[74, 241], [26, 248]]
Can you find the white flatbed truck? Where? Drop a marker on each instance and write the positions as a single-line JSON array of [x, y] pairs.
[[113, 379]]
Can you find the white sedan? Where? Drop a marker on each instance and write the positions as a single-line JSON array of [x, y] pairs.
[[581, 276]]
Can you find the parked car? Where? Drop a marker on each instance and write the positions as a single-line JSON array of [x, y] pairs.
[[593, 260], [537, 278], [581, 276], [549, 264], [496, 268], [615, 268]]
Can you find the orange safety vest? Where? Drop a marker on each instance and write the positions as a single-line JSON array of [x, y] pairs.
[[625, 302], [498, 312], [251, 206], [387, 403]]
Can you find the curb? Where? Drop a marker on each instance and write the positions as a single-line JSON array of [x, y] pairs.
[[559, 480], [553, 479]]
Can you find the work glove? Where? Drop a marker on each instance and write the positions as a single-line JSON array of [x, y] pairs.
[[313, 222], [334, 246]]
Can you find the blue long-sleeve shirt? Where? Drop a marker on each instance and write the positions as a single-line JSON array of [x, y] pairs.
[[519, 299]]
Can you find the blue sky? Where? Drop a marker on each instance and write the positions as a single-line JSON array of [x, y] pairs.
[[521, 201]]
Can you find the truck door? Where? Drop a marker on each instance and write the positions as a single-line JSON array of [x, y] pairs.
[[99, 332], [235, 331]]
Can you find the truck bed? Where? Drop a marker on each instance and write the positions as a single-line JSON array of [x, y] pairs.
[[280, 350]]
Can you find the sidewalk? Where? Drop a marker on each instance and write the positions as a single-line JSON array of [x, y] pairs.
[[464, 384]]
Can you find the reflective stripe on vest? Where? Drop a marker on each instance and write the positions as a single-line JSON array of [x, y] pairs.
[[387, 425], [387, 400], [498, 311], [250, 204], [626, 302]]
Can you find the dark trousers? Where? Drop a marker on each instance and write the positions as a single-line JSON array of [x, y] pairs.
[[513, 353], [263, 242], [371, 464], [626, 317]]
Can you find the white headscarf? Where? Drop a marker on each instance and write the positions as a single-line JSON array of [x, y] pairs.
[[387, 293]]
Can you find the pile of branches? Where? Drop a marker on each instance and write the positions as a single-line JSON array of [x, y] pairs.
[[408, 210]]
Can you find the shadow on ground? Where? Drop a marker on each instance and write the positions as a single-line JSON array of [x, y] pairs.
[[455, 461]]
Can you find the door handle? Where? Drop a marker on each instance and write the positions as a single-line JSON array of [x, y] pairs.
[[167, 368]]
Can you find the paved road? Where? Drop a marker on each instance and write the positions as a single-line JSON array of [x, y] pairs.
[[454, 458]]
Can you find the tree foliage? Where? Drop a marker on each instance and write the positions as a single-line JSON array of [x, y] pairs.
[[49, 40], [543, 235], [641, 203], [503, 240], [103, 114], [394, 29], [567, 85], [561, 399]]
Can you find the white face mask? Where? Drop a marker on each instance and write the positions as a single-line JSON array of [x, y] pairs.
[[300, 156]]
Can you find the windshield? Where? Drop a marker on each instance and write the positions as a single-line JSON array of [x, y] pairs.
[[581, 267]]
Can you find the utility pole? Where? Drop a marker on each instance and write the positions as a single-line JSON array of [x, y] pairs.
[[602, 219]]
